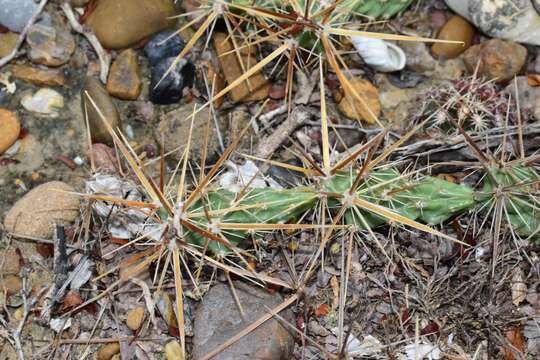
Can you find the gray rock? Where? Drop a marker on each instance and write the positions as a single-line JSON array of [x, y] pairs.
[[529, 96], [15, 14], [218, 319]]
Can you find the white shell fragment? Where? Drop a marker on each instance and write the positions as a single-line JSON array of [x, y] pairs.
[[44, 101], [379, 54]]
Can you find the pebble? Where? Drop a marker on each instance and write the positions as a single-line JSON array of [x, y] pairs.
[[135, 318], [45, 101], [496, 59], [38, 76], [10, 262], [11, 284], [15, 14], [163, 45], [104, 157], [170, 89], [173, 351], [99, 95], [257, 88], [352, 108], [10, 128], [121, 23], [107, 352], [49, 45], [7, 43], [218, 319], [124, 80], [175, 125], [458, 29], [529, 96], [37, 211]]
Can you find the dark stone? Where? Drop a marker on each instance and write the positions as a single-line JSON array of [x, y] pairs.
[[169, 90], [405, 79], [4, 96], [285, 177], [160, 48], [218, 319]]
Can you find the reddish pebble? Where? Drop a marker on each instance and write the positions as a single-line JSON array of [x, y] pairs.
[[277, 92]]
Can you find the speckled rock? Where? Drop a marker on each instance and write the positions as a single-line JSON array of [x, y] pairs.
[[351, 107], [218, 319], [37, 211], [99, 95], [38, 76], [10, 128], [496, 59], [15, 14], [48, 45], [7, 43], [120, 23], [457, 29], [124, 80], [174, 125]]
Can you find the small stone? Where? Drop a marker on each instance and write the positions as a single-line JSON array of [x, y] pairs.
[[37, 76], [165, 306], [256, 87], [10, 262], [124, 78], [44, 101], [529, 96], [496, 59], [175, 126], [121, 23], [165, 44], [458, 29], [102, 100], [135, 318], [7, 43], [11, 284], [277, 92], [107, 352], [170, 88], [173, 351], [104, 157], [10, 127], [218, 319], [351, 107], [15, 14], [36, 212], [49, 46]]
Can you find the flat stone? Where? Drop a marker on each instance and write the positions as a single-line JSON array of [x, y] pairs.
[[102, 100], [10, 262], [10, 128], [135, 318], [7, 43], [15, 14], [496, 59], [353, 108], [124, 78], [38, 76], [121, 23], [256, 87], [49, 45], [45, 101], [175, 125], [218, 319], [36, 213]]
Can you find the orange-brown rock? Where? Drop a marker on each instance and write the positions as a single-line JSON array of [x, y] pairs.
[[457, 29], [11, 284], [367, 110], [121, 23], [37, 76], [124, 80], [10, 262], [256, 87], [496, 59], [7, 43], [10, 128]]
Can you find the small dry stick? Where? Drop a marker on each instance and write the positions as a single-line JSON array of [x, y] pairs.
[[104, 57], [22, 36]]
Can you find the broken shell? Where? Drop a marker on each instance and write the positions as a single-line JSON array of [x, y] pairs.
[[379, 54]]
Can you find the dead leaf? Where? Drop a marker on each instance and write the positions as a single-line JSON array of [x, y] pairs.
[[519, 288], [515, 338], [533, 79], [321, 310]]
